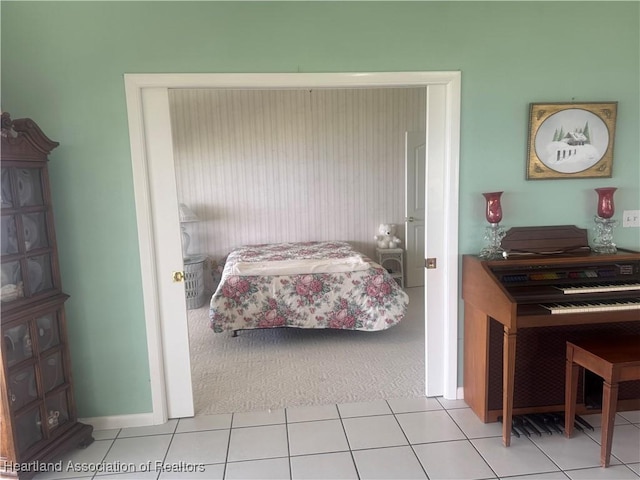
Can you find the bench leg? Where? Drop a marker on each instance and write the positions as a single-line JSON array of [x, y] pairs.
[[570, 395], [609, 404]]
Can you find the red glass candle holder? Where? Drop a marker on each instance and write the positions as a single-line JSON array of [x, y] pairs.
[[494, 233], [494, 208], [606, 207], [604, 223]]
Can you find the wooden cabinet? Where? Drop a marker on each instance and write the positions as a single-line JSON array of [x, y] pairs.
[[37, 409]]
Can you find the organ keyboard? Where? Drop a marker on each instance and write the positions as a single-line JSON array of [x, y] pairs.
[[546, 299], [627, 287], [590, 307]]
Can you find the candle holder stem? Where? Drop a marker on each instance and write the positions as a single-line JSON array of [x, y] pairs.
[[493, 234], [604, 235]]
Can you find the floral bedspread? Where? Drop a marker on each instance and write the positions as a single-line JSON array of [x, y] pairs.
[[360, 300]]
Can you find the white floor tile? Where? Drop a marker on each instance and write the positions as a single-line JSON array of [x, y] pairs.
[[579, 451], [151, 475], [392, 439], [204, 422], [540, 476], [38, 477], [139, 450], [388, 463], [323, 436], [199, 447], [363, 409], [105, 434], [472, 426], [452, 460], [255, 419], [255, 443], [336, 466], [626, 442], [521, 458], [595, 420], [311, 413], [611, 473], [373, 432], [52, 476], [434, 426], [270, 469], [452, 404], [419, 404], [208, 472], [635, 467], [92, 455], [165, 428], [632, 416]]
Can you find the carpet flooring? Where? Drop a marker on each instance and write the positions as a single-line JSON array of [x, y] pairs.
[[261, 370]]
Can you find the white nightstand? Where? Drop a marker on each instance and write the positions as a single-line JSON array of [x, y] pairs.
[[194, 280], [392, 259]]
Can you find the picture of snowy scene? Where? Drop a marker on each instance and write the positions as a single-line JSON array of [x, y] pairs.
[[571, 140]]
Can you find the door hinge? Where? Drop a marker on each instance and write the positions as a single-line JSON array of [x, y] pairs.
[[430, 262]]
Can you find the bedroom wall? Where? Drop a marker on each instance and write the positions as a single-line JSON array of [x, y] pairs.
[[63, 65], [282, 166]]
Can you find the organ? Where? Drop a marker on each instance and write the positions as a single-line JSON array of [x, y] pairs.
[[520, 311]]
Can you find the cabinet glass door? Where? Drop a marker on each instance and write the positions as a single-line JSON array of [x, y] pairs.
[[47, 331], [9, 243], [29, 187], [34, 226], [12, 287], [52, 371], [57, 408], [26, 245], [28, 429], [39, 274], [17, 344], [7, 194], [22, 387]]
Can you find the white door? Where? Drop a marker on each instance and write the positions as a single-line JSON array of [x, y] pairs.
[[159, 233], [415, 177], [168, 254]]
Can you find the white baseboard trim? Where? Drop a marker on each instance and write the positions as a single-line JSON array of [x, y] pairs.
[[460, 393], [119, 421]]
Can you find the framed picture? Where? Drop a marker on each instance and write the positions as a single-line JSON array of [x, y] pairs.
[[571, 140]]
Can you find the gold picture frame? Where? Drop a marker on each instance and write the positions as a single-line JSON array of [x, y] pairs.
[[571, 140]]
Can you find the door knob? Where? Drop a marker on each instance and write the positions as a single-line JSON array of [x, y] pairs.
[[178, 277], [409, 219]]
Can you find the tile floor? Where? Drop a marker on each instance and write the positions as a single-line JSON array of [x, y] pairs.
[[394, 439]]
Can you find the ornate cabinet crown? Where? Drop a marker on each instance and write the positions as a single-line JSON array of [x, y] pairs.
[[37, 406]]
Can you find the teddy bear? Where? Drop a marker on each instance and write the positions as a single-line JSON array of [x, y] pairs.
[[386, 237]]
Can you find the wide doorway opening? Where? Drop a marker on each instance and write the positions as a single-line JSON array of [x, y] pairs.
[[160, 239]]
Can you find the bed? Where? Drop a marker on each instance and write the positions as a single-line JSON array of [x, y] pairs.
[[305, 285]]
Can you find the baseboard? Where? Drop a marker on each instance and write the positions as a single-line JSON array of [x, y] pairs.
[[119, 421], [460, 393]]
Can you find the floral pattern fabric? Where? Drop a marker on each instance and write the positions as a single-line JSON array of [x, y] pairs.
[[361, 300]]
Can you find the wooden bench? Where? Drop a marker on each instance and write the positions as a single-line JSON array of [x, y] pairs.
[[615, 360]]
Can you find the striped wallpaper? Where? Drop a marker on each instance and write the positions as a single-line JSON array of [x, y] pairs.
[[263, 166]]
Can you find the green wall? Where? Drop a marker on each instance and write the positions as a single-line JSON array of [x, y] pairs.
[[63, 66]]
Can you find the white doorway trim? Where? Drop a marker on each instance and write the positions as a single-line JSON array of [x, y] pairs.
[[158, 227]]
